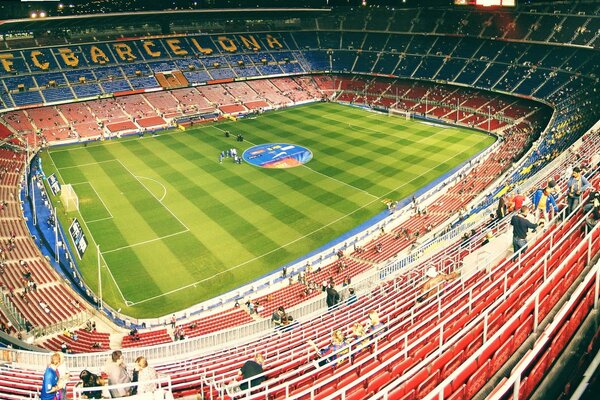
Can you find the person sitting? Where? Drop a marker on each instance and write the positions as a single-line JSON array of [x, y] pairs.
[[90, 380], [332, 352], [432, 285], [359, 335], [278, 317], [250, 369], [593, 218], [351, 296], [488, 237], [375, 324]]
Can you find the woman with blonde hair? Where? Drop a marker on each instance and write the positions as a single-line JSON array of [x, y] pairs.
[[146, 375], [359, 336], [375, 324], [334, 350]]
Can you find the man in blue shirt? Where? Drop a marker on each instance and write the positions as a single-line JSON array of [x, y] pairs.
[[50, 386]]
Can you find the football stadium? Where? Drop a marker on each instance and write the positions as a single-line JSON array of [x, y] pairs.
[[326, 199]]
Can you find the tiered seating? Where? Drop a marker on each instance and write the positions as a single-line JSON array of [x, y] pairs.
[[149, 338], [86, 341], [50, 302], [82, 120], [19, 121], [445, 342], [269, 92], [165, 102], [216, 322], [295, 293], [51, 122], [107, 111], [192, 101]]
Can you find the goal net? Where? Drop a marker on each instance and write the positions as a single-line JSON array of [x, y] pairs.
[[69, 198]]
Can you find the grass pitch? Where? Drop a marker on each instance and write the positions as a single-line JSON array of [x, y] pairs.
[[176, 227]]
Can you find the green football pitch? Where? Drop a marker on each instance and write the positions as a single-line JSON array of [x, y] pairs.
[[176, 227]]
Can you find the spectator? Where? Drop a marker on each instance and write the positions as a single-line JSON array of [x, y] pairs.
[[351, 296], [359, 335], [258, 307], [333, 297], [90, 380], [333, 351], [488, 237], [544, 203], [146, 375], [432, 284], [375, 324], [593, 201], [576, 185], [51, 382], [594, 217], [521, 225], [518, 200], [250, 369], [502, 209], [63, 375], [250, 306], [117, 374], [289, 324], [278, 316]]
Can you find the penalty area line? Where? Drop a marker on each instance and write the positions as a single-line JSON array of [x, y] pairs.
[[146, 242]]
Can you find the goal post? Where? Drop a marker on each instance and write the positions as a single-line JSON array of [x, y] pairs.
[[69, 198], [398, 112]]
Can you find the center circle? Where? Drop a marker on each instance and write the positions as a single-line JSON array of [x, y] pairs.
[[277, 155]]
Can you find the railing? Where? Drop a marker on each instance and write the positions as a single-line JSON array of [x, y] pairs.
[[513, 382], [412, 315], [13, 310], [162, 389], [69, 323], [532, 302]]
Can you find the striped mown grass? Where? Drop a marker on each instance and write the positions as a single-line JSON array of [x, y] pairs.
[[176, 227]]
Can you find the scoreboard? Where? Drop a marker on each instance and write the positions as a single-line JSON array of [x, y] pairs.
[[486, 3]]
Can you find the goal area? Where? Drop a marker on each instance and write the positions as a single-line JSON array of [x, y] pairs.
[[69, 198]]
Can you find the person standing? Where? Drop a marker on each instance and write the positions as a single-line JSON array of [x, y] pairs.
[[333, 297], [146, 376], [518, 201], [50, 386], [63, 375], [502, 209], [544, 203], [117, 374], [521, 225], [576, 185]]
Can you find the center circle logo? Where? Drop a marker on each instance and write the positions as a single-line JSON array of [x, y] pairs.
[[277, 155]]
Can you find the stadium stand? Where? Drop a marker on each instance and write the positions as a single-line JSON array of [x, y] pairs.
[[447, 346]]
